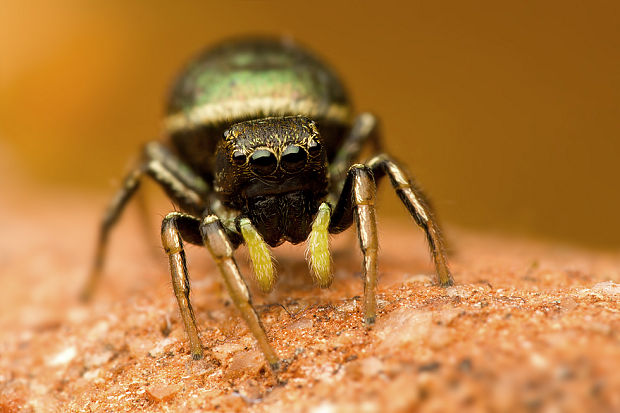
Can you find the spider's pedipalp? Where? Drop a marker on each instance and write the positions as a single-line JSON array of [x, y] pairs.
[[318, 254]]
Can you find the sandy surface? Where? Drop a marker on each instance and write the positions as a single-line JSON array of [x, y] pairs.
[[527, 327]]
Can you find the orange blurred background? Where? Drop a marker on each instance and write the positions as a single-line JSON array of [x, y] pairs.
[[508, 114]]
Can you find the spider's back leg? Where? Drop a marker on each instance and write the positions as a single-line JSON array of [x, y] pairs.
[[418, 206], [186, 189]]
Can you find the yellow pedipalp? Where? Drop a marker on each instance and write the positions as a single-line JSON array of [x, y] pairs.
[[318, 248], [259, 254]]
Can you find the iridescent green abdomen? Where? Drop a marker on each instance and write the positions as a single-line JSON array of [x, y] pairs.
[[252, 79]]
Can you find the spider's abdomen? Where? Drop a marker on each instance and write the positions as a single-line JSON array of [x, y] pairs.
[[252, 79]]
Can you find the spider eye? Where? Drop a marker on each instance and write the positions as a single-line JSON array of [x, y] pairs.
[[293, 158], [238, 157], [314, 147], [263, 162]]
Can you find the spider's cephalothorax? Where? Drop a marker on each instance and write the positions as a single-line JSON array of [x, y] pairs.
[[274, 171], [262, 150]]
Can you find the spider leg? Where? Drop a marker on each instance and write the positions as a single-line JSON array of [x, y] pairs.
[[364, 131], [174, 228], [357, 199], [221, 248], [144, 214], [184, 187], [419, 208]]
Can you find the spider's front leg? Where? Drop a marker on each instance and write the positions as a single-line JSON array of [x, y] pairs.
[[358, 199], [174, 228], [177, 227], [221, 248]]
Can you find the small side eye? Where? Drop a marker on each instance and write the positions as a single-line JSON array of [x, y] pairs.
[[238, 157], [293, 158], [263, 162], [314, 147]]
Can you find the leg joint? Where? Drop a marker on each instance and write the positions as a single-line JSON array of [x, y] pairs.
[[215, 238], [170, 238], [363, 185]]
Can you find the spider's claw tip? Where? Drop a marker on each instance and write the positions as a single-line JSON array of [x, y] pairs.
[[275, 366]]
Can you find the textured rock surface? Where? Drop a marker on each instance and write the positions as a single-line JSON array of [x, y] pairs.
[[527, 327]]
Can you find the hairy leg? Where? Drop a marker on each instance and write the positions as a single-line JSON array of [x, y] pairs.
[[418, 206], [116, 207], [186, 189]]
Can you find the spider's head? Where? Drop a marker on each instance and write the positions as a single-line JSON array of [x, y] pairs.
[[270, 156], [273, 170]]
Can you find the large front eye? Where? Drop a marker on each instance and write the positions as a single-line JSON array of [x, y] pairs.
[[238, 157], [293, 158], [263, 162]]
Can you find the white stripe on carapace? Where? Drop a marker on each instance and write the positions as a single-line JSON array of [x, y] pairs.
[[225, 111]]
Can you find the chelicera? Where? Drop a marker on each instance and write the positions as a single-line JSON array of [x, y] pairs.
[[262, 149]]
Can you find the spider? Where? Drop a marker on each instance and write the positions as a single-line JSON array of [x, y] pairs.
[[261, 149]]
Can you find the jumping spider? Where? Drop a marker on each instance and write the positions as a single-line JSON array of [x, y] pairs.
[[261, 150]]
